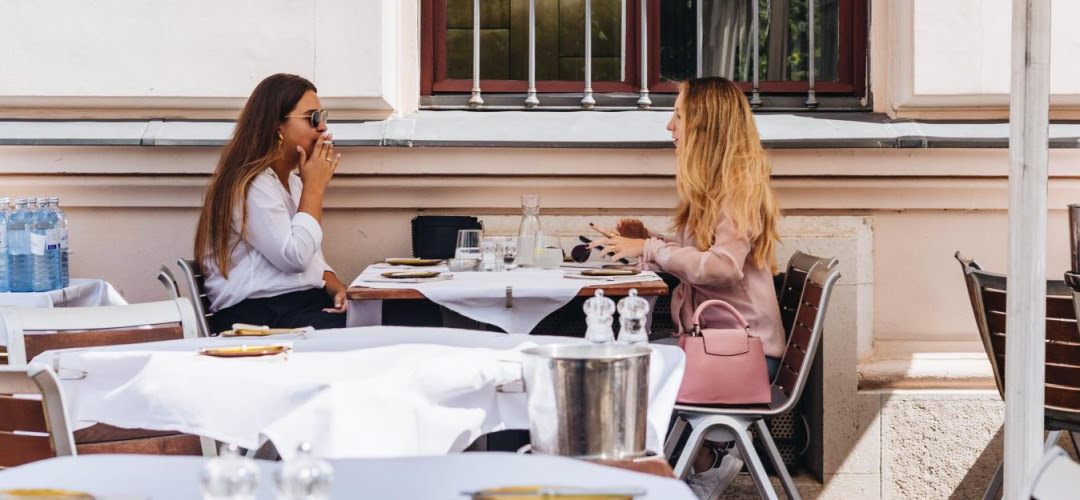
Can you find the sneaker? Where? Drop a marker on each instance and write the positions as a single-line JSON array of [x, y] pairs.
[[710, 484]]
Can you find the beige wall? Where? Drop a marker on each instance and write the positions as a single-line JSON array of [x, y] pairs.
[[924, 205]]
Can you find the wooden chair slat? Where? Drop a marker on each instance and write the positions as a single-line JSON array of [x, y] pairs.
[[1060, 307], [1064, 376], [793, 357], [19, 449], [1056, 306], [1062, 330], [786, 378], [1061, 398], [812, 293], [178, 444], [102, 433], [800, 336], [807, 315], [39, 343], [1061, 353], [26, 415]]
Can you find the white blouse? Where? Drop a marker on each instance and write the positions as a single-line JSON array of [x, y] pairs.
[[281, 251]]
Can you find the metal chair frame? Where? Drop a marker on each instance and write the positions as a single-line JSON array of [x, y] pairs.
[[733, 423], [193, 277]]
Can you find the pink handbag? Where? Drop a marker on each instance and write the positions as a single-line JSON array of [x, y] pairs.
[[723, 366]]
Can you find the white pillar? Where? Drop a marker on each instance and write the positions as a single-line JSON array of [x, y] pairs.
[[1025, 351]]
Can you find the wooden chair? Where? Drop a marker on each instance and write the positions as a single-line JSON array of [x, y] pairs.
[[987, 293], [194, 278], [94, 326], [1057, 478], [44, 417], [732, 423]]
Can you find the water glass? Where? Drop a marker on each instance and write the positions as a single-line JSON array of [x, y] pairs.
[[548, 253], [468, 244]]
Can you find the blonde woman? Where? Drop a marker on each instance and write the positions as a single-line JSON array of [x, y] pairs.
[[725, 227], [259, 238]]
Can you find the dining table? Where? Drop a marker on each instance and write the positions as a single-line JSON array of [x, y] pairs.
[[354, 392], [130, 477], [514, 301]]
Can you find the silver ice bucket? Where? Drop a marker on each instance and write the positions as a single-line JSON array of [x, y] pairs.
[[587, 401]]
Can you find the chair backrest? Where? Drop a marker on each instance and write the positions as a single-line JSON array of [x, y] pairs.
[[94, 326], [32, 429], [1057, 477], [806, 331], [987, 292], [196, 286], [793, 280], [165, 276]]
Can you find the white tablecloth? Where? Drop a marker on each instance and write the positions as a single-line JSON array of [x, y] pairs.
[[79, 293], [414, 478], [482, 296], [358, 392]]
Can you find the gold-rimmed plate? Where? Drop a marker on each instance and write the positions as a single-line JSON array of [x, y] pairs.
[[555, 492], [50, 493], [403, 275], [411, 261], [261, 333], [609, 272], [244, 351]]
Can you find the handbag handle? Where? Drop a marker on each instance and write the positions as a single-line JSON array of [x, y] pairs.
[[722, 303]]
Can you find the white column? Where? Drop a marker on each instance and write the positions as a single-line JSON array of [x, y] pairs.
[[475, 100], [1025, 350]]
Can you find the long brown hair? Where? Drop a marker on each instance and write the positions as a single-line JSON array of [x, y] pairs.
[[254, 147], [722, 169]]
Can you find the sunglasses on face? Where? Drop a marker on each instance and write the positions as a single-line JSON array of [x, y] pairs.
[[317, 117]]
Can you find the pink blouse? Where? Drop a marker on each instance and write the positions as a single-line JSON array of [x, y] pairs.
[[725, 271]]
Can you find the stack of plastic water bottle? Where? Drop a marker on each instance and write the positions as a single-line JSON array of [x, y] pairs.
[[33, 245]]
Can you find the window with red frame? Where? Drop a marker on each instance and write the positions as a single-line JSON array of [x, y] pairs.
[[672, 45]]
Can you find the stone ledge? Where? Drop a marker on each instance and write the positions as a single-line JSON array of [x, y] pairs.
[[926, 371]]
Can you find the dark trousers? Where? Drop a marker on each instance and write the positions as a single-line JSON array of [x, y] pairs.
[[288, 310]]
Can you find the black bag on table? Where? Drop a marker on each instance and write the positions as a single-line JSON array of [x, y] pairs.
[[435, 236]]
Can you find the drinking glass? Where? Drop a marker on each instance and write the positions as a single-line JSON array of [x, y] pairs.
[[548, 253], [468, 244]]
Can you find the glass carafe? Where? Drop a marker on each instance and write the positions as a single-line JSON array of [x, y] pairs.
[[530, 226]]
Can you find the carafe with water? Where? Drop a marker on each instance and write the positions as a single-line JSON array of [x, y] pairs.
[[529, 228]]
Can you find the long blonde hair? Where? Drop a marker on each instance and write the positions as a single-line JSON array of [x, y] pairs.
[[722, 170], [254, 147]]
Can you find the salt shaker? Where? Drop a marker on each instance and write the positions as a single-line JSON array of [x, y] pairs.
[[230, 476], [598, 316], [633, 312], [304, 477]]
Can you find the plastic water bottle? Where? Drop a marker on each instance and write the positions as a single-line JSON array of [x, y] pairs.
[[20, 261], [5, 212], [304, 477], [62, 232], [45, 246]]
